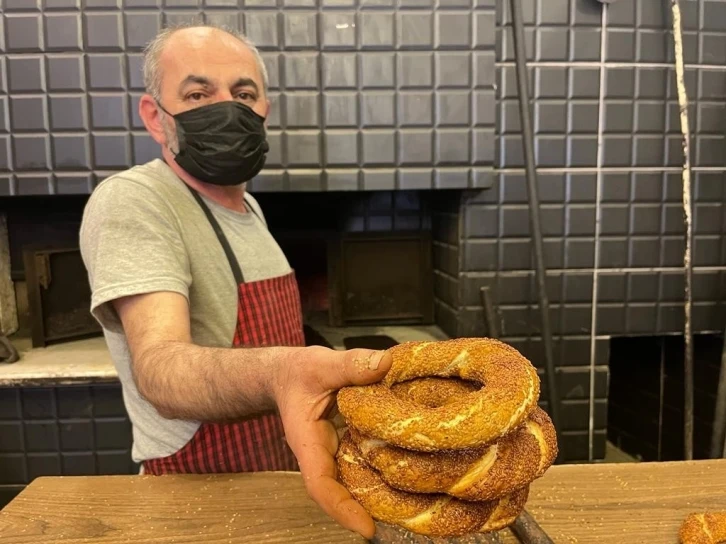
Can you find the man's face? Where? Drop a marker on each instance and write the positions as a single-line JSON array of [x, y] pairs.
[[201, 66]]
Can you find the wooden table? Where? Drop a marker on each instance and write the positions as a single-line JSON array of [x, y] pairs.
[[638, 502]]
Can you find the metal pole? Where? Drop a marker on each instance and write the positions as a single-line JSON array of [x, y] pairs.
[[687, 215], [528, 531], [718, 437], [489, 312], [520, 55]]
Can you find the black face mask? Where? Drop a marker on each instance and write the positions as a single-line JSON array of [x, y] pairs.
[[222, 143]]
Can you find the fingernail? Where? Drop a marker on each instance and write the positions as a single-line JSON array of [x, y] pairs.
[[374, 360]]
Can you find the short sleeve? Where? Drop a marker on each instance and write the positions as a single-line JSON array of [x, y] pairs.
[[131, 243]]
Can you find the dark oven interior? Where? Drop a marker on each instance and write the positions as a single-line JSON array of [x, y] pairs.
[[361, 258]]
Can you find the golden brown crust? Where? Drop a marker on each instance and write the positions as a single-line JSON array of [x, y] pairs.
[[434, 392], [475, 420], [507, 509], [703, 528], [474, 475], [426, 514]]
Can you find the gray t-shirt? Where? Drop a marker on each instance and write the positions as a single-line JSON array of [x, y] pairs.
[[142, 232]]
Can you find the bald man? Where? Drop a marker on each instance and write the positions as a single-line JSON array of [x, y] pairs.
[[183, 270]]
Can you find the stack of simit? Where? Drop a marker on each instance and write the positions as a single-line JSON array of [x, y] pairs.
[[448, 443]]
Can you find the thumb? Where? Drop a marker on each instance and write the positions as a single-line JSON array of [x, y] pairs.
[[356, 367]]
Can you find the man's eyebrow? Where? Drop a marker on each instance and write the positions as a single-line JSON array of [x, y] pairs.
[[246, 82], [200, 80]]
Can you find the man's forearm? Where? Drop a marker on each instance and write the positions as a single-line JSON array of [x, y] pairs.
[[185, 381]]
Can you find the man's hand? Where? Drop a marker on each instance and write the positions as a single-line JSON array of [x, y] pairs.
[[305, 394], [185, 381]]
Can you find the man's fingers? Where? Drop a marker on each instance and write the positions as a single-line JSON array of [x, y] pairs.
[[353, 367], [364, 366], [315, 447], [337, 502]]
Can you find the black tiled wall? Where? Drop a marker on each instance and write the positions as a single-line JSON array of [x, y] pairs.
[[65, 430], [612, 223], [370, 95]]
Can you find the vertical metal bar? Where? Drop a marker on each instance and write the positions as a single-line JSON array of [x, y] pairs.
[[661, 394], [526, 529], [687, 214], [489, 312], [718, 436], [600, 159], [520, 55]]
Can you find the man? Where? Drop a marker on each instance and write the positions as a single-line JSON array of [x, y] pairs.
[[182, 268]]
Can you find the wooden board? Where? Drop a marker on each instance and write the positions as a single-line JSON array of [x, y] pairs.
[[629, 502], [604, 503]]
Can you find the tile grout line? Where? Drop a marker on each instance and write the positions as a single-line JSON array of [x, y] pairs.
[[600, 271], [609, 169], [708, 169], [591, 169], [598, 218], [598, 337], [607, 304], [495, 170], [611, 64]]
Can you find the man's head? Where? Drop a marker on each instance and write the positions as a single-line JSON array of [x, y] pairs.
[[199, 37], [198, 65]]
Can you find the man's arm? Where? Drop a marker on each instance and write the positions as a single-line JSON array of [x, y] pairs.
[[185, 381]]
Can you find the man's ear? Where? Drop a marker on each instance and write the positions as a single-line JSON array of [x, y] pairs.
[[150, 114]]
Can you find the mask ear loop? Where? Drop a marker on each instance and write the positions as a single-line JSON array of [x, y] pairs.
[[162, 108]]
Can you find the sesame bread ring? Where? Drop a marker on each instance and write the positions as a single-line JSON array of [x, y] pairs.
[[481, 474], [705, 528], [510, 394], [431, 515]]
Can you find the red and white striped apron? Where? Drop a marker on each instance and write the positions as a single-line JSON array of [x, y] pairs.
[[268, 314]]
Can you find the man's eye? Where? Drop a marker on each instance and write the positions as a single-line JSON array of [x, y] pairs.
[[245, 96], [195, 97]]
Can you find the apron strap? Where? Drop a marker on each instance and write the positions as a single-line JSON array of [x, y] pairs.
[[250, 207], [231, 258]]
